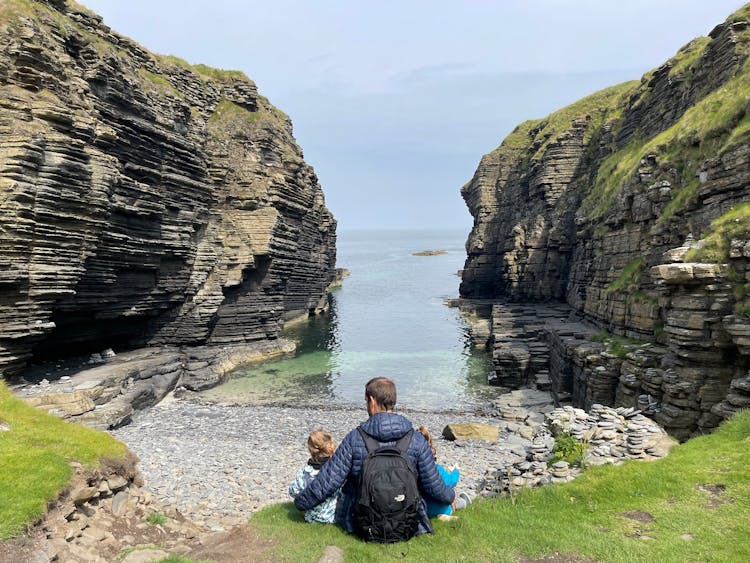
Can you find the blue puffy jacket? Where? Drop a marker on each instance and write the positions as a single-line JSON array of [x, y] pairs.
[[344, 468]]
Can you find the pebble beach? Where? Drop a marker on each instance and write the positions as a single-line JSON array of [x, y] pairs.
[[217, 464]]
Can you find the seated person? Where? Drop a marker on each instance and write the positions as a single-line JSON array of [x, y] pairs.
[[321, 447], [450, 478]]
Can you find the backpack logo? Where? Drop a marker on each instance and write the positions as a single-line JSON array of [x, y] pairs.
[[387, 510]]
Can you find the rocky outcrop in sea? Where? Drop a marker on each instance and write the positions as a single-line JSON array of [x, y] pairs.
[[145, 201], [627, 214]]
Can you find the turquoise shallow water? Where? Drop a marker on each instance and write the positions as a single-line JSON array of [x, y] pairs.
[[389, 318]]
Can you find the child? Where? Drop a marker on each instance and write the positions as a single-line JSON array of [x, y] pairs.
[[321, 447], [450, 478]]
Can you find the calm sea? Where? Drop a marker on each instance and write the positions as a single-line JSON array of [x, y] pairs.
[[389, 318]]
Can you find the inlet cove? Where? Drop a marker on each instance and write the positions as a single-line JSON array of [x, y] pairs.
[[196, 315]]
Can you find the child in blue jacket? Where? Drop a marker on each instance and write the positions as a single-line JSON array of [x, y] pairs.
[[450, 478]]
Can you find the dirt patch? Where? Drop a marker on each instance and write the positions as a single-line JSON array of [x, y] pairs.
[[716, 494], [240, 544], [22, 549], [558, 558], [638, 516]]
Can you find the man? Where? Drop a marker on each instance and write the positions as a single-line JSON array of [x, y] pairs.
[[346, 464]]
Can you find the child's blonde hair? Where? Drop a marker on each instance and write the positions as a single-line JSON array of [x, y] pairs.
[[426, 433], [321, 446]]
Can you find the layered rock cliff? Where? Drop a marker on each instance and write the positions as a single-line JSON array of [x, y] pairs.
[[144, 201], [632, 206]]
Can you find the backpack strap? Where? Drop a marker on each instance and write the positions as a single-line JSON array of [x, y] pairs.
[[372, 444], [403, 443]]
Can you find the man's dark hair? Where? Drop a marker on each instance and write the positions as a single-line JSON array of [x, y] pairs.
[[383, 390]]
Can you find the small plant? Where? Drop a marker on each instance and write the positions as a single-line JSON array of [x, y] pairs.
[[618, 346], [156, 518], [630, 277], [568, 448], [716, 243]]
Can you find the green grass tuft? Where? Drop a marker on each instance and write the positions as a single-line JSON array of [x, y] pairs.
[[692, 505], [34, 456], [219, 75], [617, 345], [685, 59], [226, 110], [156, 518], [630, 277], [734, 224]]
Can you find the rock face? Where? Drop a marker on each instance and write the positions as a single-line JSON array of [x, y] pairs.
[[631, 206], [144, 201]]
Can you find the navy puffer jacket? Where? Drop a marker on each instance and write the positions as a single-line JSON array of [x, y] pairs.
[[346, 465]]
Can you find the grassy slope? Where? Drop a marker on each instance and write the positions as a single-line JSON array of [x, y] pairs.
[[593, 516], [714, 124], [34, 458]]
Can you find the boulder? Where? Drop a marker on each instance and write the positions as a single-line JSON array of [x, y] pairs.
[[471, 431]]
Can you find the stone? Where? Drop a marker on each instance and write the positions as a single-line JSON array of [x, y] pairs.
[[145, 555], [471, 431], [119, 503], [69, 404], [83, 494], [116, 482]]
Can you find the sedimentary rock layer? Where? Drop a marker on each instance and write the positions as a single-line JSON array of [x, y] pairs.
[[144, 200], [605, 205]]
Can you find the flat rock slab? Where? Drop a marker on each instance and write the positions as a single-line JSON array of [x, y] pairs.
[[146, 556], [471, 431]]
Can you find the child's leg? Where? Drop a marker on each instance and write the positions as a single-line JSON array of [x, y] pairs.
[[462, 500]]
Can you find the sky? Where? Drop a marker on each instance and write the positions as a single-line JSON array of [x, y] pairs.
[[395, 102]]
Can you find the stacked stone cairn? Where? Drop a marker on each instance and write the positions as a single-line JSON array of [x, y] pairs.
[[611, 435]]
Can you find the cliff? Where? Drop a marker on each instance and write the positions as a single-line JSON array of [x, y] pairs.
[[144, 201], [631, 206]]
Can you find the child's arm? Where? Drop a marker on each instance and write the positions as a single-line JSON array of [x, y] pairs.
[[450, 478], [298, 484]]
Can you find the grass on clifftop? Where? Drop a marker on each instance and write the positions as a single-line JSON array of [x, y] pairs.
[[714, 124], [34, 456], [693, 505]]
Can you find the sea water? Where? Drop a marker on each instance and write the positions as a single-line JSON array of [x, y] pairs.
[[388, 319]]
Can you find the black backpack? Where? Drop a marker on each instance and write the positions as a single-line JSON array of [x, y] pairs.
[[388, 507]]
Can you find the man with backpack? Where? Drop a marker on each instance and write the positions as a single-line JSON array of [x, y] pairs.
[[385, 469]]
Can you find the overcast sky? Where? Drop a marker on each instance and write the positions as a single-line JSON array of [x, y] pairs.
[[395, 102]]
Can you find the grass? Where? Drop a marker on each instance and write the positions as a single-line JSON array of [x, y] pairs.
[[601, 106], [693, 505], [535, 134], [156, 519], [162, 84], [719, 121], [226, 110], [618, 346], [218, 74], [34, 458], [685, 59], [734, 224], [630, 277]]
